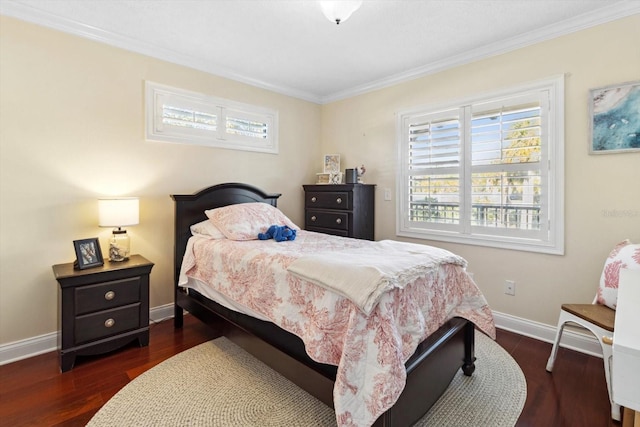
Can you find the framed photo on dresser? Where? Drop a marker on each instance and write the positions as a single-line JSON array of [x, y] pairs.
[[331, 163]]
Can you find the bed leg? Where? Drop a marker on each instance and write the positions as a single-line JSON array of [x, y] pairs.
[[178, 320], [469, 349]]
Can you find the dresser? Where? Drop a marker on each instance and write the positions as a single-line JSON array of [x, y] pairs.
[[102, 308], [340, 209]]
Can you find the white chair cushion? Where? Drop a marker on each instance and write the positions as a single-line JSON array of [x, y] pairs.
[[624, 255]]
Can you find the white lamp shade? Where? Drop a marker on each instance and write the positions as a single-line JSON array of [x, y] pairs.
[[118, 212], [339, 10]]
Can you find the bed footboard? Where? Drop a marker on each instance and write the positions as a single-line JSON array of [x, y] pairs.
[[429, 371]]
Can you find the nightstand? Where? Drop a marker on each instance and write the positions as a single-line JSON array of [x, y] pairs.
[[102, 308], [340, 209]]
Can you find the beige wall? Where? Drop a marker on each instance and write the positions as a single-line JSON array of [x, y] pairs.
[[72, 130], [362, 129]]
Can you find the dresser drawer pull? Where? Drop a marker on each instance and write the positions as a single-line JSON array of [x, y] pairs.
[[339, 200], [313, 218], [338, 221], [109, 323], [313, 199], [109, 295]]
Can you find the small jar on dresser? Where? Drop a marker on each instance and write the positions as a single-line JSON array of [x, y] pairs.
[[103, 308], [340, 209]]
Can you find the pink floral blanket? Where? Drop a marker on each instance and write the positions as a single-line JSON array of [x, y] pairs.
[[369, 350]]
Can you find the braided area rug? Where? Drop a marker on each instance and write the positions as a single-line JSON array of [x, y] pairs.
[[219, 384]]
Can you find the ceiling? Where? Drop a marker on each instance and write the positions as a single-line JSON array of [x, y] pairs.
[[290, 47]]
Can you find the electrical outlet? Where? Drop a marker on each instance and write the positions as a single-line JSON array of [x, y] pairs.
[[510, 287], [387, 194]]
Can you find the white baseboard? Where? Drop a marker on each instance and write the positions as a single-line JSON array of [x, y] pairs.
[[18, 350], [574, 340]]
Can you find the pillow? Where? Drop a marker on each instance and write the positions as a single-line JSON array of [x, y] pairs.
[[207, 229], [245, 221], [624, 255]]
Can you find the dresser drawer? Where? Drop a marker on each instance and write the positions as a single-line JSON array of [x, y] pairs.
[[328, 200], [327, 219], [103, 324], [107, 295]]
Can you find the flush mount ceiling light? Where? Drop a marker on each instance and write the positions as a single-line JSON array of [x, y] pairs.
[[339, 10]]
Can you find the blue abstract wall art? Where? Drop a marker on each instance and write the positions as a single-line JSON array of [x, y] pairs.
[[615, 118]]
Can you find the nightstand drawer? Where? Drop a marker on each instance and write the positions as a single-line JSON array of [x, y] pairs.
[[327, 219], [106, 323], [107, 295], [328, 199]]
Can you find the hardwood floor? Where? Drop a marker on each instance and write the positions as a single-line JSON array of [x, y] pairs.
[[575, 394], [34, 392]]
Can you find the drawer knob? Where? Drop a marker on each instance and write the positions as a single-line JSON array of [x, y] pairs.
[[313, 218], [338, 221], [109, 295], [339, 200], [313, 199], [109, 323]]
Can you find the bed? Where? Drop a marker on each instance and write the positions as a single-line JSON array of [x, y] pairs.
[[429, 369]]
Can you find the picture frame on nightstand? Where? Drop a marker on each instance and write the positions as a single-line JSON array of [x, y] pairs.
[[88, 253]]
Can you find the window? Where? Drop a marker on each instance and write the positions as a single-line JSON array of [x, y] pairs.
[[486, 171], [176, 115]]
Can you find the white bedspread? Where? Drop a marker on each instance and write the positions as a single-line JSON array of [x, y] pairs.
[[364, 274], [369, 350]]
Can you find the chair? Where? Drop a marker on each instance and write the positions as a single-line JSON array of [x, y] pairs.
[[599, 317], [599, 320]]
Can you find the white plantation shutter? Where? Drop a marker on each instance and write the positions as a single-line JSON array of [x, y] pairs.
[[250, 128], [500, 130], [506, 165], [434, 141], [173, 115], [433, 162], [176, 115], [487, 171]]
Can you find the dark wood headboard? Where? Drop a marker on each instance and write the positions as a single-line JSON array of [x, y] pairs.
[[190, 210]]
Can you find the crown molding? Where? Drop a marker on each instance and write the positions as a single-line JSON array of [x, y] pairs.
[[606, 14], [601, 16], [30, 14]]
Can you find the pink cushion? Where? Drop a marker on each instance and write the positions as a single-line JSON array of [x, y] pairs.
[[245, 221], [624, 255]]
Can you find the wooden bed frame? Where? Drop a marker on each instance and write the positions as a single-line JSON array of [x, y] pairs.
[[429, 370]]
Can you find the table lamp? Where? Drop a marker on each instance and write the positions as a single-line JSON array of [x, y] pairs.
[[118, 213]]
